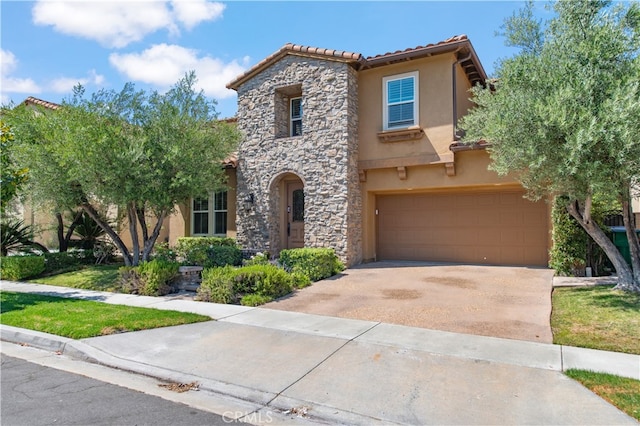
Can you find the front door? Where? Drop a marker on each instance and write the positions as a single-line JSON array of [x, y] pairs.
[[295, 215]]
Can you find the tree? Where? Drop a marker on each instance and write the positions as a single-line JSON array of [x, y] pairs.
[[143, 152], [563, 114], [12, 177]]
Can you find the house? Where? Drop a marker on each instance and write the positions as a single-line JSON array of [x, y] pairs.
[[361, 155]]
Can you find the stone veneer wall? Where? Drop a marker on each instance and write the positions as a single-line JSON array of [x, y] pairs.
[[324, 157]]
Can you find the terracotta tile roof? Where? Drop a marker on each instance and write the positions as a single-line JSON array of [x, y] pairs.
[[459, 44], [450, 40], [231, 160], [35, 101], [299, 50]]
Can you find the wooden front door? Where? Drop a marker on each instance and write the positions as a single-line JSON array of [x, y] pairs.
[[295, 215]]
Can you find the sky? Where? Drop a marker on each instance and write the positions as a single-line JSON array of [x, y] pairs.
[[49, 46]]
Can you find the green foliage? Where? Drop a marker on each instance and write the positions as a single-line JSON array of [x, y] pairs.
[[208, 251], [20, 267], [144, 151], [257, 259], [149, 278], [12, 177], [163, 251], [229, 285], [315, 263], [56, 262], [15, 236], [300, 280], [255, 300], [569, 252]]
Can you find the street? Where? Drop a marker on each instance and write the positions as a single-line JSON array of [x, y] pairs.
[[36, 395]]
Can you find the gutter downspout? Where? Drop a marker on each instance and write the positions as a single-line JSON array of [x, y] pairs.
[[456, 137]]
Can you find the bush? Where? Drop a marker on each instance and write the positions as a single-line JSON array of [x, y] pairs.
[[162, 251], [255, 300], [229, 285], [200, 250], [300, 280], [149, 278], [65, 261], [257, 259], [21, 267], [222, 256], [315, 263]]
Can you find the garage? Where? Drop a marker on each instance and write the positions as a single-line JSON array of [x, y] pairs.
[[491, 227]]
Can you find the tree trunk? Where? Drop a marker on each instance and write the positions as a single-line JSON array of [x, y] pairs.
[[151, 240], [133, 229], [92, 212], [63, 240], [582, 213]]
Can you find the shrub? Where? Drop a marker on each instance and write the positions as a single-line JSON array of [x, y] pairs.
[[229, 285], [315, 263], [300, 280], [149, 278], [257, 259], [222, 256], [217, 285], [65, 261], [21, 267], [195, 250], [162, 251], [255, 300]]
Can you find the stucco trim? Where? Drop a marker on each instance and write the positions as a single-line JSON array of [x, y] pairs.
[[415, 160], [401, 135]]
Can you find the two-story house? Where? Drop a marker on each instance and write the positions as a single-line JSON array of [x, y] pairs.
[[361, 155]]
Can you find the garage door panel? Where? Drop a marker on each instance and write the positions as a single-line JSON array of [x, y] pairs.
[[472, 227]]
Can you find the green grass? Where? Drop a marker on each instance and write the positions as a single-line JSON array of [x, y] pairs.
[[622, 392], [79, 319], [98, 277], [596, 317]]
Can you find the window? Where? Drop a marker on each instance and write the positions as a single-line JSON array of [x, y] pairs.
[[400, 105], [209, 215], [296, 117]]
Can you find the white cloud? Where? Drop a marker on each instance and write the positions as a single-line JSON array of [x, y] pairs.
[[10, 83], [66, 84], [117, 23], [192, 12], [163, 65]]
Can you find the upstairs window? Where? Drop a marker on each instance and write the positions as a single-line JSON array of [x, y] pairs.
[[400, 103], [209, 215], [295, 109]]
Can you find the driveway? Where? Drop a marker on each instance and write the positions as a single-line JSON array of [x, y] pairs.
[[498, 301]]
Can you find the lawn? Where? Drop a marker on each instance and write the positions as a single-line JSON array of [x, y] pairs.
[[79, 319], [596, 317], [622, 392], [98, 277]]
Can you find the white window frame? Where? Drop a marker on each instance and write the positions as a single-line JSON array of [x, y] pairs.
[[385, 100], [293, 119], [211, 214]]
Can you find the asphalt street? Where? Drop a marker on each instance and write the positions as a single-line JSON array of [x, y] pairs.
[[34, 395]]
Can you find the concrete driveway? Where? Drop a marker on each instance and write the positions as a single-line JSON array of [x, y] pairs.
[[498, 301]]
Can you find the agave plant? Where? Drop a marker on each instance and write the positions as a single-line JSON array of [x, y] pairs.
[[15, 236]]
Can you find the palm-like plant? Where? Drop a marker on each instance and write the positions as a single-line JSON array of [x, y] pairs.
[[15, 236]]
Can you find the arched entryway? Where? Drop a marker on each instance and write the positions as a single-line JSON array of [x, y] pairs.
[[287, 194]]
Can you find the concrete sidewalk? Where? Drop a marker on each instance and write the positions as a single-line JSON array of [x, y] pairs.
[[349, 371]]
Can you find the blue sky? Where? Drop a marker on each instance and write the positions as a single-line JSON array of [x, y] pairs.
[[49, 46]]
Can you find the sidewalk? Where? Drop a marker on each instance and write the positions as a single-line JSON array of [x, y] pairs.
[[349, 371]]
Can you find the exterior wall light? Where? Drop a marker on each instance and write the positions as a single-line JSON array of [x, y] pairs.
[[248, 201]]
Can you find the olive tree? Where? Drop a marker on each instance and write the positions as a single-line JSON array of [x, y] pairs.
[[144, 152], [563, 114]]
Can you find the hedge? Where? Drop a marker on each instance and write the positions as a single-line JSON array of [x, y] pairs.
[[20, 267], [315, 263], [149, 278], [208, 251]]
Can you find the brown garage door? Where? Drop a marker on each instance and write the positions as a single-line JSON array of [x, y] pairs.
[[499, 228]]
